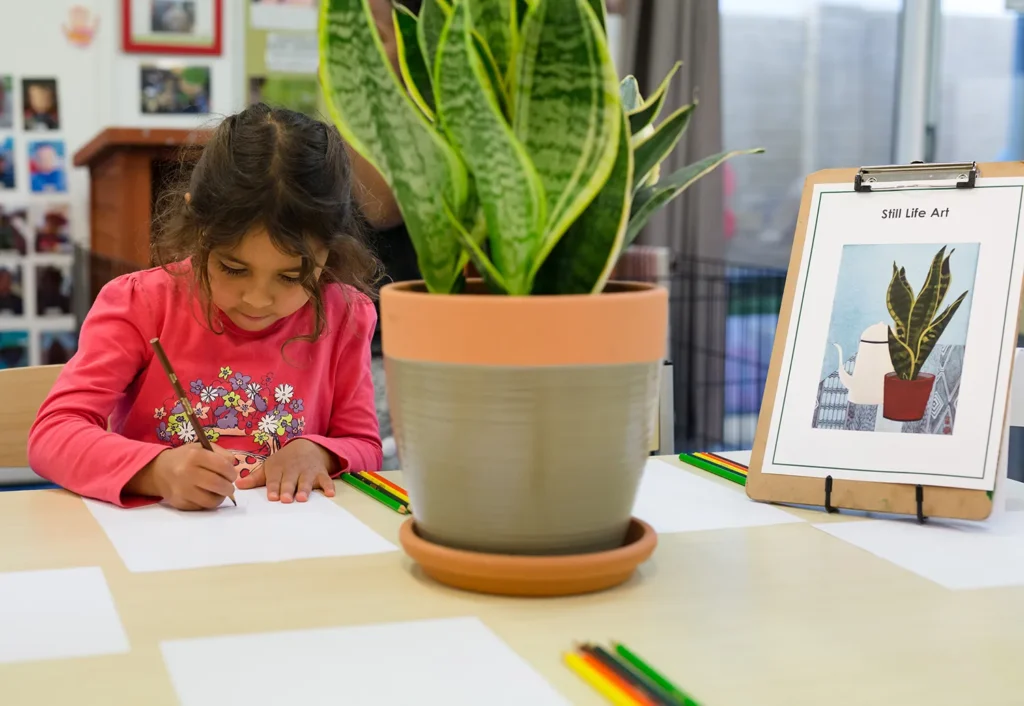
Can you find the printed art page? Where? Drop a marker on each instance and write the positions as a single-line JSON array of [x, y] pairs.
[[898, 352]]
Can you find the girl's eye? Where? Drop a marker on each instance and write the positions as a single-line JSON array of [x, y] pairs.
[[290, 280], [231, 270]]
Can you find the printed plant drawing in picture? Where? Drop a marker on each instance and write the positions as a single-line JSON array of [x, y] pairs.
[[907, 343]]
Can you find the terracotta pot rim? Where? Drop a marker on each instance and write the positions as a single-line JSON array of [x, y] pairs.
[[642, 545], [894, 376], [627, 288]]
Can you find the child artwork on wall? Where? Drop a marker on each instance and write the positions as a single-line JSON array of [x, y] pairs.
[[53, 290], [7, 172], [51, 223], [13, 230], [46, 167], [174, 90], [13, 349], [6, 103], [12, 299], [897, 338], [40, 103], [57, 346]]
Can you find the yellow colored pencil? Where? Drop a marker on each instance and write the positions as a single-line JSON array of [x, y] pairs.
[[718, 460], [608, 690], [374, 479]]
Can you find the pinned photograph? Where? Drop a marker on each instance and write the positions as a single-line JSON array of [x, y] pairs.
[[175, 90], [53, 290], [7, 171], [173, 16], [52, 225], [40, 103], [12, 293], [57, 347], [6, 103], [13, 230], [46, 167], [13, 349]]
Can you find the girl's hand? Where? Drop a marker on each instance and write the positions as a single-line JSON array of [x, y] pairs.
[[188, 477], [293, 472]]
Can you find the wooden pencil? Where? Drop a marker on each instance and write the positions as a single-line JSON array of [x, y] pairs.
[[183, 398], [389, 488], [368, 489], [399, 490], [720, 471], [670, 688], [639, 681], [606, 688], [722, 461]]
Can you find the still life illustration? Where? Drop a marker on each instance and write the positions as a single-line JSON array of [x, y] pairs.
[[895, 353]]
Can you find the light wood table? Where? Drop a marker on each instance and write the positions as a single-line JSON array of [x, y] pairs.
[[783, 615]]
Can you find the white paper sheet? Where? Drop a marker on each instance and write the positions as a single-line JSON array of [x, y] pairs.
[[672, 499], [58, 614], [452, 661], [159, 538], [957, 555]]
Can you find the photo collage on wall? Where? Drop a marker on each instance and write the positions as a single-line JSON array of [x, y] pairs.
[[37, 326]]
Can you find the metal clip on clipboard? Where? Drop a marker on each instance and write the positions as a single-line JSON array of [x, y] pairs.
[[892, 177]]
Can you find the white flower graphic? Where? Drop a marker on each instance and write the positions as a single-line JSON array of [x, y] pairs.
[[185, 432], [268, 424], [209, 394], [283, 393], [253, 388]]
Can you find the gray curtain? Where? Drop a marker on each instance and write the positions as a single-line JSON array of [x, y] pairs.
[[657, 33]]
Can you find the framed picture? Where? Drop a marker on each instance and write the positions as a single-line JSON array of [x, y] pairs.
[[46, 166], [40, 103], [173, 26], [173, 89]]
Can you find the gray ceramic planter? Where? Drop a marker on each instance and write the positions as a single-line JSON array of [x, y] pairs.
[[523, 423]]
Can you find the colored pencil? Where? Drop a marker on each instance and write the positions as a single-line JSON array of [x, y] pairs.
[[384, 484], [183, 398], [648, 671], [381, 488], [374, 493], [724, 462], [639, 681], [713, 468], [605, 687]]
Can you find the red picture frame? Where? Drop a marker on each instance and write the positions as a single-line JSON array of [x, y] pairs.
[[132, 45]]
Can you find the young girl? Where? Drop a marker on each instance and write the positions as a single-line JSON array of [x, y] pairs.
[[261, 303]]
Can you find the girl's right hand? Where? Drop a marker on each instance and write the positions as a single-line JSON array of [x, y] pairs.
[[188, 477]]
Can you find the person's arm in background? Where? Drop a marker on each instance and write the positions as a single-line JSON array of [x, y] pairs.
[[373, 193]]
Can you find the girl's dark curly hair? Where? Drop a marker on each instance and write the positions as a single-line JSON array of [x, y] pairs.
[[280, 170]]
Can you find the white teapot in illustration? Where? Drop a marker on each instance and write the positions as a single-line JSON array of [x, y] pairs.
[[867, 383]]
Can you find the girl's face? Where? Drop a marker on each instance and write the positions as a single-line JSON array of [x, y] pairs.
[[255, 284]]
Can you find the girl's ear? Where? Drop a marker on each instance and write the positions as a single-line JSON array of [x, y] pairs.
[[188, 197]]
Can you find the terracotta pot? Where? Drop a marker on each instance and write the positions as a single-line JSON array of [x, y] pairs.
[[523, 423], [906, 400]]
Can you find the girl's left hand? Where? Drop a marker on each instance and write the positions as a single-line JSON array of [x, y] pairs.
[[293, 472]]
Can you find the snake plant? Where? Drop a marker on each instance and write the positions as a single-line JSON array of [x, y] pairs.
[[505, 136], [916, 328]]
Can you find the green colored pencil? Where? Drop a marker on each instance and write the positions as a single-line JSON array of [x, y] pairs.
[[374, 493], [674, 691], [713, 468]]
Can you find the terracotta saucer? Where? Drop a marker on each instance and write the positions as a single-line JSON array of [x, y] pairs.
[[516, 575]]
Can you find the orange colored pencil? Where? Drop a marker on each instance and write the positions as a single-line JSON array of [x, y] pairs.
[[621, 684], [381, 480], [719, 461]]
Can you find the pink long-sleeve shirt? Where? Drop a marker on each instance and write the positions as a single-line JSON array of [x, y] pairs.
[[249, 395]]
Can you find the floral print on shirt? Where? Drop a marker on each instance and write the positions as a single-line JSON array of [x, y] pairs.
[[235, 404]]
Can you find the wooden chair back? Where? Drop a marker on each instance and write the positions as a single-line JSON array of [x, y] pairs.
[[22, 391]]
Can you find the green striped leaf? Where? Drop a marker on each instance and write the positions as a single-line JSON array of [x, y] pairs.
[[649, 199], [433, 16], [629, 94], [507, 186], [583, 259], [926, 304], [566, 108], [931, 335], [899, 299], [497, 82], [483, 264], [496, 22], [901, 356], [521, 8], [410, 60], [600, 11], [380, 121], [652, 151], [649, 111]]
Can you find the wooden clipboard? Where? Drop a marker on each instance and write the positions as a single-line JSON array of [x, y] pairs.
[[870, 496]]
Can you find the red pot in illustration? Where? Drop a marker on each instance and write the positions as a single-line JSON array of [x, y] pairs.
[[906, 400]]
